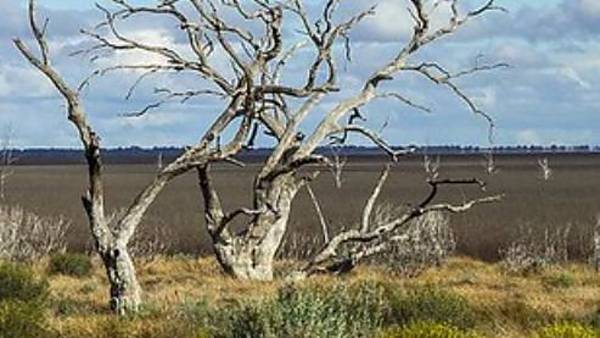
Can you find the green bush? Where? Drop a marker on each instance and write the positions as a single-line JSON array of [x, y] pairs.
[[20, 319], [562, 280], [18, 283], [515, 311], [22, 303], [567, 330], [340, 311], [76, 265], [431, 304], [426, 330]]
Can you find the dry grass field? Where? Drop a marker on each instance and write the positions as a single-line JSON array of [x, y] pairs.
[[182, 294], [186, 295], [569, 198]]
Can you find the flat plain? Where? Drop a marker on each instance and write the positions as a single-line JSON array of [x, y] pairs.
[[568, 198]]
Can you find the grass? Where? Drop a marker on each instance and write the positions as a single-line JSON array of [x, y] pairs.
[[569, 197], [191, 297]]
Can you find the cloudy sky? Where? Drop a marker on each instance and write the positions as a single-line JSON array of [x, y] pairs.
[[548, 95]]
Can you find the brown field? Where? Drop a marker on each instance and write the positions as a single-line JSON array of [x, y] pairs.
[[570, 197], [505, 305]]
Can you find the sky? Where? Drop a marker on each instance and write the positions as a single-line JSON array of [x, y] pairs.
[[548, 95]]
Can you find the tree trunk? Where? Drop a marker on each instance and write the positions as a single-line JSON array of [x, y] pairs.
[[125, 291], [596, 258], [251, 257]]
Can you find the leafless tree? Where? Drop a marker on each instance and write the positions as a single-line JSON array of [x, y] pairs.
[[25, 236], [374, 235], [7, 159], [159, 161], [534, 250], [432, 169], [111, 242], [545, 170], [490, 163], [251, 37], [596, 245]]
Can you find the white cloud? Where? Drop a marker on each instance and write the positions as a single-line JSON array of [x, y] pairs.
[[23, 81], [571, 74], [591, 7], [528, 136]]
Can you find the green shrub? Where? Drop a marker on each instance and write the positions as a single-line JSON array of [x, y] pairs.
[[431, 304], [340, 311], [18, 283], [562, 280], [20, 319], [520, 313], [567, 330], [425, 330], [23, 300], [76, 265]]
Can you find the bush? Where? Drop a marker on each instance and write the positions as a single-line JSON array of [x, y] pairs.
[[567, 330], [532, 253], [425, 330], [562, 280], [76, 265], [19, 284], [22, 303], [20, 319], [434, 305], [426, 242], [520, 313], [340, 311], [25, 236]]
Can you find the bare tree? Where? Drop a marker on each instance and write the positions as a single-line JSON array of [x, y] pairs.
[[25, 236], [250, 37], [111, 242], [374, 235], [490, 163], [596, 245], [545, 170], [432, 169], [6, 160]]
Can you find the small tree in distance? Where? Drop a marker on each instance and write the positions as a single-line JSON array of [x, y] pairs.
[[7, 159]]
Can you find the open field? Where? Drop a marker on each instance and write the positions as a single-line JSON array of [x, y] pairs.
[[190, 298], [570, 197]]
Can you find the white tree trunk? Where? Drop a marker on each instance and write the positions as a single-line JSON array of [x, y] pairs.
[[250, 257], [596, 258], [125, 291]]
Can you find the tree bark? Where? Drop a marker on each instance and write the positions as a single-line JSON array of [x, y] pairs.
[[251, 258], [125, 291], [596, 244]]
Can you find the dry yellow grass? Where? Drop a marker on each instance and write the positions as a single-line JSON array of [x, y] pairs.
[[571, 291]]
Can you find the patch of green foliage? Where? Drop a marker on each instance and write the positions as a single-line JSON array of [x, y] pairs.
[[76, 265], [431, 304], [426, 329], [23, 301], [567, 330], [338, 311], [563, 280]]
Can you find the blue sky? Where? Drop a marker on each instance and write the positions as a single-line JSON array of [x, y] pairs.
[[549, 95]]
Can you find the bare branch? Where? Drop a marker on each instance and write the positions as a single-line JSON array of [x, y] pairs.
[[315, 201], [366, 217]]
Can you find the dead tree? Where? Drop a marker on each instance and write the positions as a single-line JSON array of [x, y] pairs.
[[596, 245], [545, 170], [490, 163], [371, 237], [252, 38], [6, 161], [112, 242]]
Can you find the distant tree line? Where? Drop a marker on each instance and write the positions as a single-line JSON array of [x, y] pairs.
[[138, 155]]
